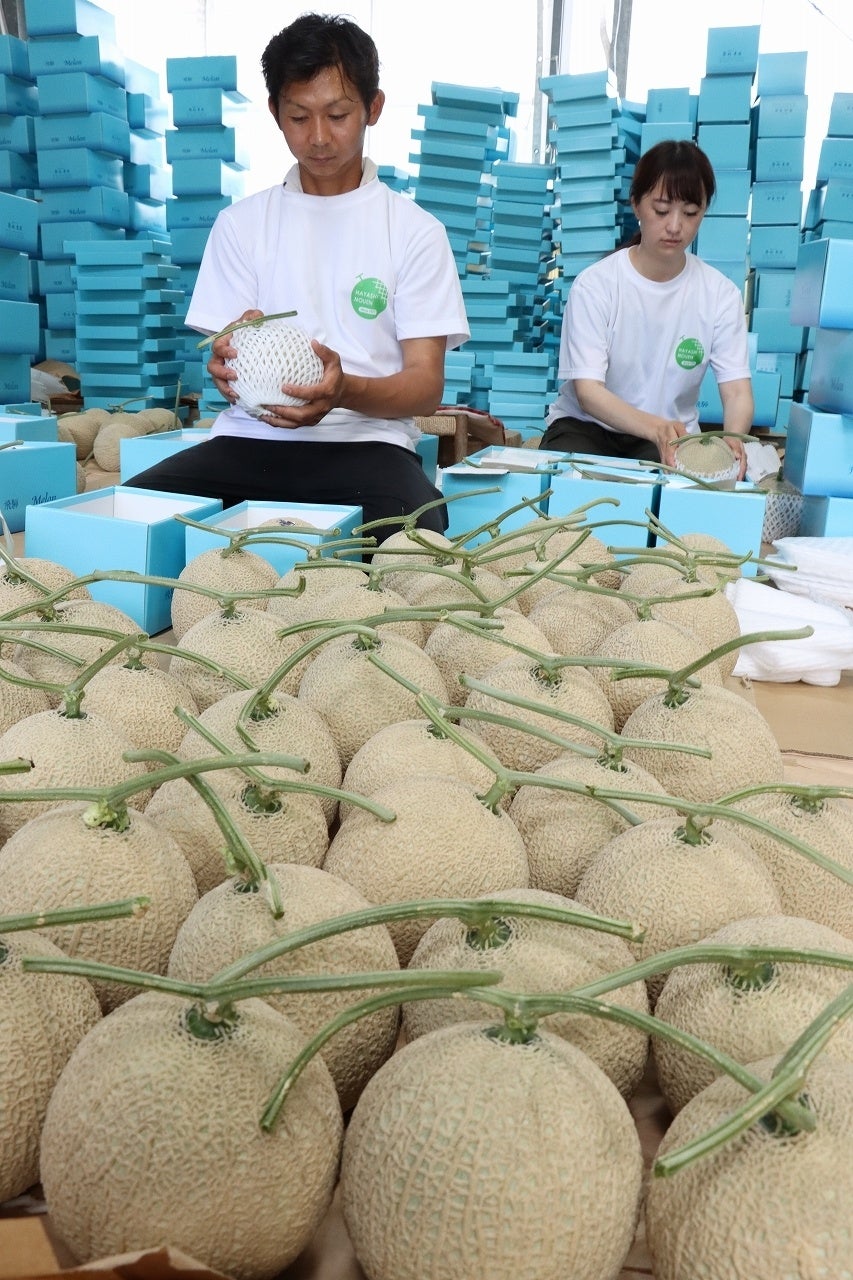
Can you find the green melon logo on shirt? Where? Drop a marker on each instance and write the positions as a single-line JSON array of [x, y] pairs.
[[689, 353], [369, 297]]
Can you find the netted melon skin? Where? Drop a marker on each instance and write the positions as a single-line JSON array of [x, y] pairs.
[[43, 1016], [538, 956], [467, 1157], [175, 1121], [748, 1022], [761, 1206], [228, 923]]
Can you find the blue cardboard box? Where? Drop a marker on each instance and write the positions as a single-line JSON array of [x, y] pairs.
[[68, 17], [819, 452], [17, 97], [781, 73], [777, 204], [822, 294], [779, 159], [215, 72], [831, 380], [328, 524], [137, 453], [106, 205], [775, 330], [78, 167], [32, 472], [98, 131], [725, 99], [17, 134], [732, 195], [668, 104], [735, 516], [775, 288], [19, 327], [781, 116], [488, 483], [835, 159], [76, 53], [776, 247], [654, 131], [19, 223], [826, 518], [205, 106], [14, 59], [722, 238], [615, 496], [841, 115], [732, 50], [70, 92], [119, 528], [30, 427], [727, 146], [206, 178], [15, 282]]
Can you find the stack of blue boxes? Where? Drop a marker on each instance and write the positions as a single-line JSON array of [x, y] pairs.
[[18, 107], [830, 210], [208, 163], [819, 448], [779, 126], [19, 315], [583, 133], [670, 116], [128, 315]]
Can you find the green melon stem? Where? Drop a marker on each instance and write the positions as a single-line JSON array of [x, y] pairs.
[[539, 531], [227, 601], [522, 1012], [15, 766], [493, 527], [806, 796], [73, 692], [266, 789], [677, 680], [355, 629], [786, 1084], [244, 324], [118, 910], [475, 913]]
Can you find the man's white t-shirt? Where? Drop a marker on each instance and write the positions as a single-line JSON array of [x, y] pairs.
[[362, 270], [650, 341]]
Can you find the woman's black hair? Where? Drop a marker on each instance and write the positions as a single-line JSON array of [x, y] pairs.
[[314, 42], [683, 171]]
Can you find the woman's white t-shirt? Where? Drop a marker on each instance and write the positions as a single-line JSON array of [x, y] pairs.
[[650, 341], [363, 270]]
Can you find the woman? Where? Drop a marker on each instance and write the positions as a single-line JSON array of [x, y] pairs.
[[642, 325]]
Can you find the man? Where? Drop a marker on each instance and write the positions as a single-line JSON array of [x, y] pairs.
[[371, 278]]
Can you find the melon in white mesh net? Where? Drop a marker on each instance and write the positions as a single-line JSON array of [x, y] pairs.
[[707, 457], [269, 354]]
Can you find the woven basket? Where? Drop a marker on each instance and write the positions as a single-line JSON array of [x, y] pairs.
[[269, 354]]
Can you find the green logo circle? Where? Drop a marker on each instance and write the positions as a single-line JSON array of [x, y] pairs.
[[369, 298], [689, 353]]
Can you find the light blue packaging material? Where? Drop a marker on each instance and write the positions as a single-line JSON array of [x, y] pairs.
[[775, 330], [831, 380], [826, 518], [619, 496], [205, 106], [72, 92], [732, 50], [777, 204], [28, 427], [654, 131], [735, 516], [782, 116], [17, 134], [328, 524], [835, 159], [841, 115], [68, 18], [774, 247], [119, 528], [722, 238], [822, 295], [138, 453], [486, 485], [207, 72], [667, 105], [15, 282], [819, 452], [33, 472], [774, 288], [76, 53], [727, 146], [781, 73], [732, 195], [19, 223], [14, 59], [725, 99], [779, 159]]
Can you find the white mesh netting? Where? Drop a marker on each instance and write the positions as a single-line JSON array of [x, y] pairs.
[[269, 354]]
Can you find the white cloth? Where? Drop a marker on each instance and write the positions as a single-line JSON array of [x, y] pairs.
[[650, 341], [816, 659], [363, 270]]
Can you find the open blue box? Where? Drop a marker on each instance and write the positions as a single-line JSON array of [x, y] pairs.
[[510, 475], [137, 453], [119, 528], [735, 516], [34, 472], [626, 491], [329, 523]]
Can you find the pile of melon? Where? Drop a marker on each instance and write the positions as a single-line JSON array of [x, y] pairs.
[[438, 868], [97, 433]]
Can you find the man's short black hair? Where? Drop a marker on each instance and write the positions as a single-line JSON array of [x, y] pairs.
[[314, 42]]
